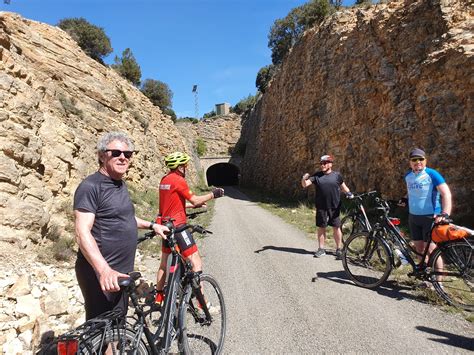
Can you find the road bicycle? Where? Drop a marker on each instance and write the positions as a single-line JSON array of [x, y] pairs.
[[369, 257], [192, 319], [356, 220]]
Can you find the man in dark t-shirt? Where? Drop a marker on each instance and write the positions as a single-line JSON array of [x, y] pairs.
[[106, 227], [328, 184]]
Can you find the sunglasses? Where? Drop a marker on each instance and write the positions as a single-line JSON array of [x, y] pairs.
[[116, 153], [415, 160], [325, 162]]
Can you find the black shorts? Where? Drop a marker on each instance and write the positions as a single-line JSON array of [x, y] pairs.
[[186, 244], [95, 300], [328, 217], [420, 226]]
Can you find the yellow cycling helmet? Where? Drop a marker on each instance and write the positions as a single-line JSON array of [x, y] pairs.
[[176, 159]]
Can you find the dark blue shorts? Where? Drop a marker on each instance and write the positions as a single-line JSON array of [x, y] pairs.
[[328, 217], [420, 226]]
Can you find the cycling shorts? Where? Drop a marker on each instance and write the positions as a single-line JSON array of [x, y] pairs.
[[186, 244], [420, 226], [328, 217], [97, 301]]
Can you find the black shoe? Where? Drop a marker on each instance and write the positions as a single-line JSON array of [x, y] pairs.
[[338, 254]]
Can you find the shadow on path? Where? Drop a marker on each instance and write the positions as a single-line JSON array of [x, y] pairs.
[[458, 341], [284, 249], [389, 288]]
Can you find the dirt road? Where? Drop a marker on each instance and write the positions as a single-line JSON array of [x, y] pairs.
[[282, 300]]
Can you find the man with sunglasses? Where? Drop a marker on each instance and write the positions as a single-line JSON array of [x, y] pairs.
[[425, 186], [106, 227], [328, 184]]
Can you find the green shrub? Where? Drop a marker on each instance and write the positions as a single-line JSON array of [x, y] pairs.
[[92, 39], [69, 105], [128, 67], [158, 92], [201, 147], [245, 104]]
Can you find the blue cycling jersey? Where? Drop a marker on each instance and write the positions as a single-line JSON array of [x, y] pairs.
[[423, 196]]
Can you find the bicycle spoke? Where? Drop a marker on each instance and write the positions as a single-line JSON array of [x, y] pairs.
[[452, 274], [366, 260], [203, 335]]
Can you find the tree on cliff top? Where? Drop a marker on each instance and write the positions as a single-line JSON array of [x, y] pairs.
[[90, 38], [128, 67], [160, 95], [285, 32], [264, 76]]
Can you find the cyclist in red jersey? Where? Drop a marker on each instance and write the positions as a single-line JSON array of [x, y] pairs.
[[174, 192]]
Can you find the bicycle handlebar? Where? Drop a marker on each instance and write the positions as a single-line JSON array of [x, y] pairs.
[[359, 196], [174, 230]]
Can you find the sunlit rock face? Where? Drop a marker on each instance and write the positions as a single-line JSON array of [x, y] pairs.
[[366, 86]]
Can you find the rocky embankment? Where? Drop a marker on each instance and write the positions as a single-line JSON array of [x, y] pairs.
[[39, 302], [366, 86]]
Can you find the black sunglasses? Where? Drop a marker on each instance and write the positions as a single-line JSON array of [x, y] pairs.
[[325, 162], [415, 160], [116, 153]]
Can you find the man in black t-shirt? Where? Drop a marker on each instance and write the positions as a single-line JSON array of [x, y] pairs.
[[328, 184], [106, 227]]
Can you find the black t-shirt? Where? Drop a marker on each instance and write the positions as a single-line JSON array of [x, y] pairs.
[[115, 226], [327, 189]]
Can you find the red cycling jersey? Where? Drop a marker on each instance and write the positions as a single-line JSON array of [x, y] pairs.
[[174, 191]]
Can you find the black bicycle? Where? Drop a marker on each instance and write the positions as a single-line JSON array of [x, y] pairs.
[[192, 319], [356, 220], [369, 257]]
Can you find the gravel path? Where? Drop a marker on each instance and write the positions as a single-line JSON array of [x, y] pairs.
[[280, 299]]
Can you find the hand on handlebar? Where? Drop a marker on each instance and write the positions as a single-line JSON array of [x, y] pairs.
[[402, 202], [160, 230], [108, 279], [217, 192], [349, 195], [442, 218]]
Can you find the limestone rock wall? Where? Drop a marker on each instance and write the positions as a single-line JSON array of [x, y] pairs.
[[367, 86], [55, 102], [220, 134]]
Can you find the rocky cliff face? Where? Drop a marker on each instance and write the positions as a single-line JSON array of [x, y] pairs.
[[55, 103], [367, 86], [220, 134]]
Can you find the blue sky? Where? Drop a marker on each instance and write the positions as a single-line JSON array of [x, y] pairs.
[[219, 45]]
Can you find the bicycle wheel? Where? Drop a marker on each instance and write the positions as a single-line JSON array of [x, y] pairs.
[[199, 336], [351, 224], [452, 273], [366, 259], [122, 341]]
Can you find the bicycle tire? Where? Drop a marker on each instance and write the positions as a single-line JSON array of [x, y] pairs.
[[367, 260], [351, 224], [124, 339], [196, 336], [455, 282]]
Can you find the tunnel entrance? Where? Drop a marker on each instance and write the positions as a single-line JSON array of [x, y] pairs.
[[222, 174]]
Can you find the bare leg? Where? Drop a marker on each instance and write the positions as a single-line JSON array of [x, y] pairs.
[[337, 237], [161, 275], [321, 236]]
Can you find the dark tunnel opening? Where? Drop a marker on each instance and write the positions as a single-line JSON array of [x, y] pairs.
[[222, 174]]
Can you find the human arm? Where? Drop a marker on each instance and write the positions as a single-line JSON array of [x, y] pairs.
[[305, 181], [157, 228], [346, 190], [108, 278], [446, 201], [199, 200]]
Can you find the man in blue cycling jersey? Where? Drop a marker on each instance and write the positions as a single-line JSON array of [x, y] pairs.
[[428, 196]]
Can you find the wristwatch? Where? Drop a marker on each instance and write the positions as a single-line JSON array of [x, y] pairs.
[[151, 225]]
